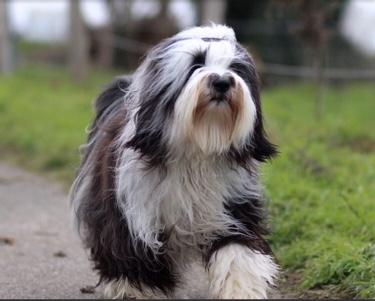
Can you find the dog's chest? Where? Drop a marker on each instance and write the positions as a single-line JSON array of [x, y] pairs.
[[188, 201], [193, 196]]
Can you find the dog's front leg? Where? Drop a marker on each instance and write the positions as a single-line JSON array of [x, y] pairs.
[[238, 272]]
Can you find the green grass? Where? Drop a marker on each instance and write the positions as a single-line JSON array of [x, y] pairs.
[[43, 116], [321, 186], [27, 47]]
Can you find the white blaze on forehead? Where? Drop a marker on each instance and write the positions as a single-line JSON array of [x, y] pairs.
[[220, 54]]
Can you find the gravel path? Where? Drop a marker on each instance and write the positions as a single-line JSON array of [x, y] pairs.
[[40, 256]]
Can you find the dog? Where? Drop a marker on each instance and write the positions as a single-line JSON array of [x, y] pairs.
[[169, 175]]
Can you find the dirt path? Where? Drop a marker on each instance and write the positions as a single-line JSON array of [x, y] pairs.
[[40, 257]]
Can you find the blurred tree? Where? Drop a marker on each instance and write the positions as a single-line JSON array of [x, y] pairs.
[[120, 11], [264, 31], [313, 29], [101, 45], [6, 58], [135, 36], [78, 48], [151, 30], [211, 11]]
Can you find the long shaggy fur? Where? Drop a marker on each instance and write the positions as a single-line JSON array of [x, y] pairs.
[[170, 169]]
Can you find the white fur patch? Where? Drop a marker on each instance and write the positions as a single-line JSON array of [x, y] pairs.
[[121, 289], [237, 272]]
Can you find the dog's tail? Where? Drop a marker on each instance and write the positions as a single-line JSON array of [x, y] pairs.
[[107, 105], [108, 101]]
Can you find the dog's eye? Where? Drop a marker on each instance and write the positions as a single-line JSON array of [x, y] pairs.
[[198, 61], [240, 69]]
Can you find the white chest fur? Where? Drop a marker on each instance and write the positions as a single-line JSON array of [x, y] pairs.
[[188, 198]]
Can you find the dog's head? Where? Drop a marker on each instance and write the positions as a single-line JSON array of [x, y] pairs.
[[198, 92]]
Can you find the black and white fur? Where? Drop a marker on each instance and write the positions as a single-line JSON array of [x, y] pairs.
[[169, 176]]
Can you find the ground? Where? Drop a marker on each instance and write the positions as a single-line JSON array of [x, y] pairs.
[[40, 255]]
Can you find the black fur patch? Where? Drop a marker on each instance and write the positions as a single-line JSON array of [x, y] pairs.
[[198, 61], [148, 134], [251, 214]]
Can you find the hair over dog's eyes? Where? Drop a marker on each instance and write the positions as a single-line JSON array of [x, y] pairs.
[[241, 70], [198, 61], [238, 67]]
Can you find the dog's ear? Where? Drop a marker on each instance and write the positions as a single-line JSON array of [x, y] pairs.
[[157, 97], [148, 137], [258, 145], [108, 102], [261, 148], [153, 111]]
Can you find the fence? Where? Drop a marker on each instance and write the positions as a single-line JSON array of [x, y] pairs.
[[279, 54]]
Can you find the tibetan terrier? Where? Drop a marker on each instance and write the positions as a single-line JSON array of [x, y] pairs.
[[169, 176]]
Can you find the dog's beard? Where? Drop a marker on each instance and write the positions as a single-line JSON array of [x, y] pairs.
[[212, 125]]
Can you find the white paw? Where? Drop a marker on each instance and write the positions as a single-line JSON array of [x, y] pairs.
[[237, 272]]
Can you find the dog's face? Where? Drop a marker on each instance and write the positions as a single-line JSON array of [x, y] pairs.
[[215, 110], [198, 92]]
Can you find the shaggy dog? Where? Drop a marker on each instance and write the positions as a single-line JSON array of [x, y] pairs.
[[169, 175]]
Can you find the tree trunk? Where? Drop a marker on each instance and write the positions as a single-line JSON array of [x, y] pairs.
[[120, 11], [105, 40], [78, 56], [212, 11], [6, 58]]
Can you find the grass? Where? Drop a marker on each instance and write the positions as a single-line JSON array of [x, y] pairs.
[[321, 187], [43, 118]]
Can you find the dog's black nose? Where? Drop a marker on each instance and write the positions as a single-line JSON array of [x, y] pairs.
[[223, 83]]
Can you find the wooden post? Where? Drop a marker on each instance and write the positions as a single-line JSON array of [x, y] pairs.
[[6, 58], [78, 48]]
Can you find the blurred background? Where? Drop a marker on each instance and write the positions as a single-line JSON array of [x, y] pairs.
[[317, 64], [288, 38]]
